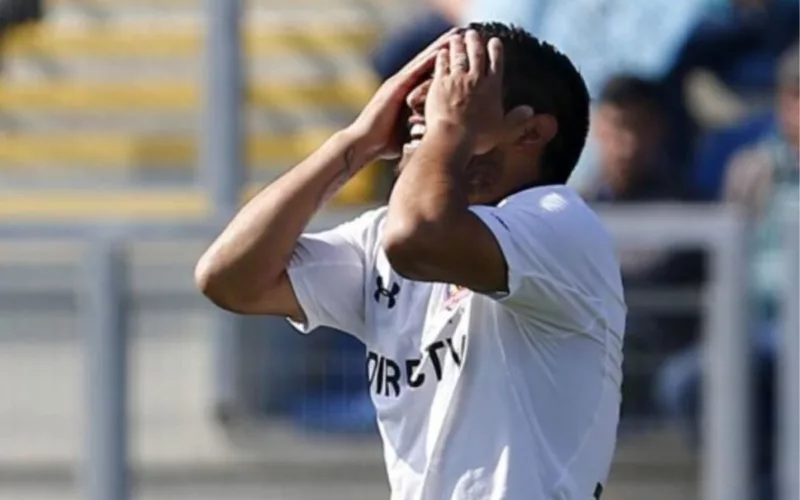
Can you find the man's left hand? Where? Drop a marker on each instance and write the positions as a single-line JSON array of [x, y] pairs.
[[467, 90]]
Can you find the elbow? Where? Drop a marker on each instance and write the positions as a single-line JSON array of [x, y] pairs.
[[407, 244], [209, 280], [216, 284]]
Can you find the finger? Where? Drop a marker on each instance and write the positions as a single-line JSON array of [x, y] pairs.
[[442, 64], [422, 64], [411, 75], [429, 53], [476, 51], [459, 60], [496, 62]]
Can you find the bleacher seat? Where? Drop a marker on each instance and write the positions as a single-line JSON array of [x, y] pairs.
[[106, 95]]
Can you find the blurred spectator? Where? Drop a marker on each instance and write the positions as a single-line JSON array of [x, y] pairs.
[[405, 43], [630, 129], [605, 38], [739, 43], [764, 179], [717, 149]]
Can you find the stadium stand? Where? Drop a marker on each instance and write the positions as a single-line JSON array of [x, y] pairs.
[[107, 94]]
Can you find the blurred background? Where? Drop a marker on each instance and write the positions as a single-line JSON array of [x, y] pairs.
[[130, 130]]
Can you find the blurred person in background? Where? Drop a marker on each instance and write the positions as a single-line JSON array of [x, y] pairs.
[[738, 43], [764, 179], [741, 41], [412, 37], [630, 128], [606, 38]]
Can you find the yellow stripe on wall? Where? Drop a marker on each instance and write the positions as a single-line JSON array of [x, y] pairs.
[[110, 152], [177, 97], [56, 205], [44, 40]]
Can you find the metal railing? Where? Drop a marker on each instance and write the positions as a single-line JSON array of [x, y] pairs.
[[789, 366]]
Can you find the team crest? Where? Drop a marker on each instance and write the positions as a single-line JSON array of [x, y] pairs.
[[454, 295]]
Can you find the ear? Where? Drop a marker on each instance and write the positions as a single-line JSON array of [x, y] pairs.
[[530, 129]]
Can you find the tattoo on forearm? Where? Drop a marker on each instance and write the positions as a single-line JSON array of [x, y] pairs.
[[348, 170]]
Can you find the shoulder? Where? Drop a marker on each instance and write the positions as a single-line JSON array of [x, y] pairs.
[[554, 210], [561, 260], [552, 228]]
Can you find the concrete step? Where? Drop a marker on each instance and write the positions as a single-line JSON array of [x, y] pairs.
[[256, 121], [265, 15], [236, 490], [93, 203], [145, 40], [100, 5], [84, 98], [346, 489], [290, 68], [115, 153]]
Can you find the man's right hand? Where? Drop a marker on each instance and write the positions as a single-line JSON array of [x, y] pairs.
[[376, 126]]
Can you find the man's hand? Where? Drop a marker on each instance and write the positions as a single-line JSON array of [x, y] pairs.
[[377, 124], [467, 90]]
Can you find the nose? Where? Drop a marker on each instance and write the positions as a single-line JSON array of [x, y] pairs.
[[416, 98]]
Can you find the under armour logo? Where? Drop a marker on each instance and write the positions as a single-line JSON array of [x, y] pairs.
[[382, 291]]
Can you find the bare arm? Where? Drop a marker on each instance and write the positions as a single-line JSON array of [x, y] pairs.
[[244, 270], [430, 234], [429, 226]]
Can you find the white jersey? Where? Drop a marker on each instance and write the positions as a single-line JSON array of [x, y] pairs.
[[485, 397]]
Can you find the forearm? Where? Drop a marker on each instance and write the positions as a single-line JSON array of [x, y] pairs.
[[257, 244], [431, 192]]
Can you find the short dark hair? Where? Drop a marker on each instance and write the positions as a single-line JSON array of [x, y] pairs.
[[629, 90], [538, 75]]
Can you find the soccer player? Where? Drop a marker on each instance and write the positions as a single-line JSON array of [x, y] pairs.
[[487, 293]]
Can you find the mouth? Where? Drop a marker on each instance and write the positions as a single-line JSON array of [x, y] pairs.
[[416, 131]]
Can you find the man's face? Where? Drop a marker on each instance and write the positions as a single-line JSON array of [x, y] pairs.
[[628, 136], [413, 129], [483, 171]]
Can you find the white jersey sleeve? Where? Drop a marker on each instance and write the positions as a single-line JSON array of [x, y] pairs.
[[561, 263], [327, 271]]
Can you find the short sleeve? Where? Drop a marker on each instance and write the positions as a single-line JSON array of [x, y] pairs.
[[327, 272], [544, 241]]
